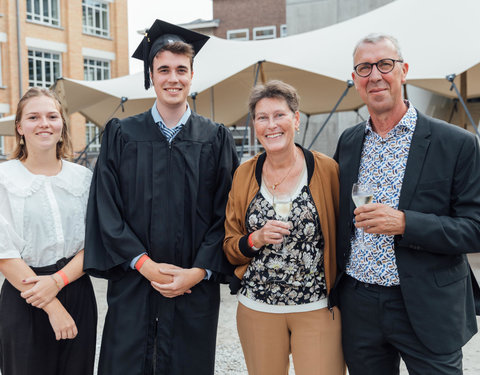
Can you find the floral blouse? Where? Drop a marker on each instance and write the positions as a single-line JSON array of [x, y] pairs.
[[291, 273]]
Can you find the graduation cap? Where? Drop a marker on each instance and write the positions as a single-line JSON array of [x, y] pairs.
[[159, 35]]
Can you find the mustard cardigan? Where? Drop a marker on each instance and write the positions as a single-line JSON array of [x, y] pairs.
[[324, 187]]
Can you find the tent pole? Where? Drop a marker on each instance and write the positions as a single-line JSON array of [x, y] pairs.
[[247, 123], [212, 104], [451, 78], [349, 84], [193, 95], [306, 128]]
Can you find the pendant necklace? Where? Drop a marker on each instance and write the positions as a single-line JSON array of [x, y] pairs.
[[274, 186]]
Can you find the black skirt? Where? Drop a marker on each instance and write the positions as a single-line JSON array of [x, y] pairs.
[[27, 340]]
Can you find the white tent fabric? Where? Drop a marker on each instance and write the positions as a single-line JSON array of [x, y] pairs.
[[7, 125], [432, 35]]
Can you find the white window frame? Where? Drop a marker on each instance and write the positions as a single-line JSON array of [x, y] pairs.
[[252, 146], [47, 58], [3, 39], [231, 33], [101, 69], [2, 141], [37, 12], [257, 30], [283, 31], [1, 82], [100, 9], [92, 131]]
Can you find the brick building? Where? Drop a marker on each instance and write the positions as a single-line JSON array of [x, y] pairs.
[[244, 20], [43, 40]]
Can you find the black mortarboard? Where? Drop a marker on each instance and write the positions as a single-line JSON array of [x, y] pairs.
[[160, 34]]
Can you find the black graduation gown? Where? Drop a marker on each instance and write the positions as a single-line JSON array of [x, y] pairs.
[[168, 200]]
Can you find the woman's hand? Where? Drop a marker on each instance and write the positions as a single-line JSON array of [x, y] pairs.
[[44, 289], [61, 321], [271, 233]]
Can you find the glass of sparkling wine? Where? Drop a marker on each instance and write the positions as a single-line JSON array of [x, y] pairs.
[[362, 194], [282, 204]]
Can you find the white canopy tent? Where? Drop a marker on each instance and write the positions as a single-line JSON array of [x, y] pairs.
[[432, 35]]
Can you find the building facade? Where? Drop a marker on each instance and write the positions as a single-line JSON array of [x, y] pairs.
[[41, 41], [250, 19]]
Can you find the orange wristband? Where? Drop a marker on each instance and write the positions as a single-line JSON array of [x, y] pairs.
[[250, 242], [140, 262], [63, 276]]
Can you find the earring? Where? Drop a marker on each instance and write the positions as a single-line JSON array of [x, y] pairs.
[[298, 130], [60, 140], [21, 142]]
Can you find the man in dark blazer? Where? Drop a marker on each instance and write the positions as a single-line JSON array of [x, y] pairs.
[[408, 291]]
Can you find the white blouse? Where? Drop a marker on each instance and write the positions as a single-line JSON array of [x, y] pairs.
[[42, 218]]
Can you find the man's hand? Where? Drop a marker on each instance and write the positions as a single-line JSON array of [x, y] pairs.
[[183, 280], [152, 271], [379, 218]]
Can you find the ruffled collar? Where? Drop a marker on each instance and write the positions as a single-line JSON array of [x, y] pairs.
[[18, 180]]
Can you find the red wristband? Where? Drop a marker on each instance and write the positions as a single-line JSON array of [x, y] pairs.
[[63, 276], [140, 262], [250, 242]]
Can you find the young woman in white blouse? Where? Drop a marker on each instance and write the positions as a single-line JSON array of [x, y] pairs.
[[48, 314]]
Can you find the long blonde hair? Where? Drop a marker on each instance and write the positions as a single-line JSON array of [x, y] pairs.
[[64, 146]]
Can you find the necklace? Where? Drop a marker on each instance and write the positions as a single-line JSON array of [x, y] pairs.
[[274, 185]]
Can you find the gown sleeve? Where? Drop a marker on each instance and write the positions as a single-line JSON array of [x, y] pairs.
[[210, 254], [110, 243]]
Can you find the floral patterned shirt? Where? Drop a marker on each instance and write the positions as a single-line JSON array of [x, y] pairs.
[[291, 273], [382, 164]]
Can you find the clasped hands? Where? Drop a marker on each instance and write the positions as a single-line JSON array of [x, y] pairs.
[[378, 218], [170, 280], [42, 295]]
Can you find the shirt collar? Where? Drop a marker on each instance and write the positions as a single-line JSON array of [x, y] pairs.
[[408, 120], [158, 119]]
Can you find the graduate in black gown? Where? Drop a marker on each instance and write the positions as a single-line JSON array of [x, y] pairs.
[[155, 221]]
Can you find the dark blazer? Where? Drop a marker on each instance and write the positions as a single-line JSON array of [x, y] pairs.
[[440, 196]]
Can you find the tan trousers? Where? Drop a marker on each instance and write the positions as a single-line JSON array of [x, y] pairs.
[[313, 338]]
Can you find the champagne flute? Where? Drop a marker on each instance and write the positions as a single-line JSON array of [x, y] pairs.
[[282, 204], [362, 194]]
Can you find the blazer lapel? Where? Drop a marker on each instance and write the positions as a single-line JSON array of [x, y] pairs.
[[416, 159]]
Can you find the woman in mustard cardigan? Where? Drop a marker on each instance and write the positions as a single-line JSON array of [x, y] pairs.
[[285, 254]]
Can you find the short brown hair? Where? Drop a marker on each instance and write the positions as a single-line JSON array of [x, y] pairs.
[[178, 48], [64, 148], [274, 89]]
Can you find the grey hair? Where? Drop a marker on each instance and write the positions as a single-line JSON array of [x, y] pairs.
[[377, 37]]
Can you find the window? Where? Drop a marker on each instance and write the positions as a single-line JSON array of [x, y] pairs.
[[95, 18], [283, 31], [240, 34], [2, 142], [251, 146], [92, 134], [43, 11], [1, 84], [265, 32], [96, 70], [43, 68]]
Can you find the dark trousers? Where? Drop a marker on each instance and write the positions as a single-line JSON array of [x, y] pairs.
[[27, 340], [376, 332]]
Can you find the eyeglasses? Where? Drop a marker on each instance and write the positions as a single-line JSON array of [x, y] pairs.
[[384, 66]]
